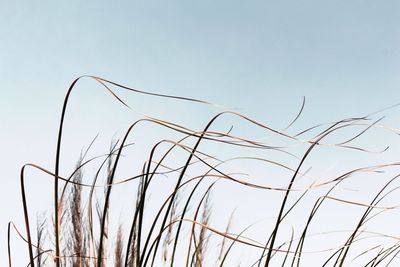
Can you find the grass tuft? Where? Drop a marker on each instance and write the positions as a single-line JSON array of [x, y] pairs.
[[172, 220]]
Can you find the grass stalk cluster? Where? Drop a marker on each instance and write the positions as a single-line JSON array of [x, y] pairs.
[[179, 231]]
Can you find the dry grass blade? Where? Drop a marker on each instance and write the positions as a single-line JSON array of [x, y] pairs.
[[9, 244]]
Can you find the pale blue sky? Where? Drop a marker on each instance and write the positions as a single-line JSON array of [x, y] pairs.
[[259, 56]]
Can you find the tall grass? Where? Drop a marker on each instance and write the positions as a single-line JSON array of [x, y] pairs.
[[179, 230]]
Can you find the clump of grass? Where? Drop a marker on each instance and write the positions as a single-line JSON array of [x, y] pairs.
[[179, 230]]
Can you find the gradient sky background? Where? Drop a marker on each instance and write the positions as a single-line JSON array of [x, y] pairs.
[[259, 56]]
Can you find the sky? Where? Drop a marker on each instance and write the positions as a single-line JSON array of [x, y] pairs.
[[258, 57]]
